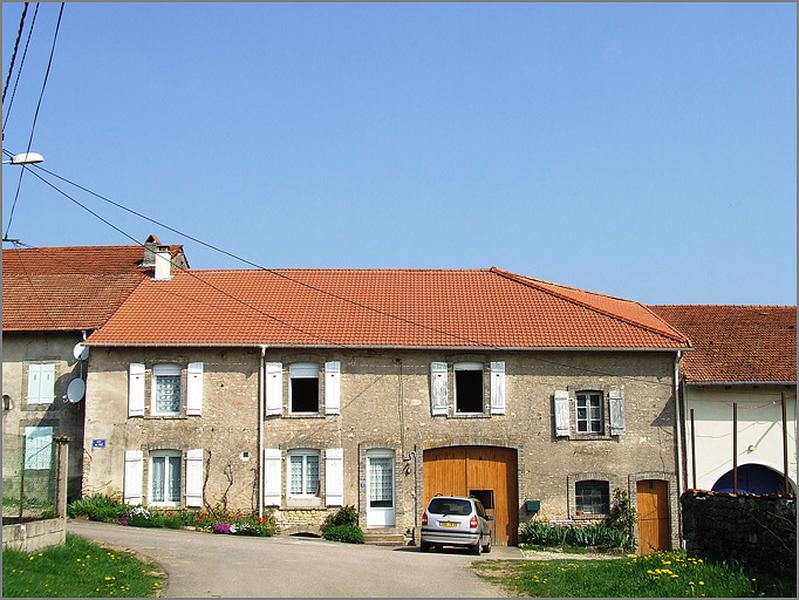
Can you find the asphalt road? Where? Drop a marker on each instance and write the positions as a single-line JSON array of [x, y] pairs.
[[203, 564]]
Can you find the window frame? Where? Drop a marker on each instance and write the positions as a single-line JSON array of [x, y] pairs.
[[303, 370], [165, 454], [304, 453], [165, 370], [468, 366], [589, 420], [591, 515]]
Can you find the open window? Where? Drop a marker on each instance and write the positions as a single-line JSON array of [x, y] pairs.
[[304, 388], [468, 388]]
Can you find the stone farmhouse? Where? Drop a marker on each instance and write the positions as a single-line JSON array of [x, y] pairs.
[[299, 391], [53, 298], [743, 356]]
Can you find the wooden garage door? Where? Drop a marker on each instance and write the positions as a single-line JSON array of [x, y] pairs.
[[653, 516], [487, 472]]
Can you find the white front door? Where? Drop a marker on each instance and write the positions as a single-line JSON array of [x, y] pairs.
[[380, 488]]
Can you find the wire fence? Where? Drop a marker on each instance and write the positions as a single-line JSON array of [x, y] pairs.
[[30, 473]]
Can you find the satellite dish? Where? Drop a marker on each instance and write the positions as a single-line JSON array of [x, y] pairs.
[[75, 390], [80, 351]]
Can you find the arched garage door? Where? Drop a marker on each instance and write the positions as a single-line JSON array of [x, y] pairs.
[[486, 472]]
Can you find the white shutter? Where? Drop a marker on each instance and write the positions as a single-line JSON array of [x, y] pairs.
[[439, 390], [272, 471], [134, 473], [334, 477], [498, 388], [194, 389], [274, 388], [34, 377], [333, 387], [562, 412], [194, 477], [616, 401], [47, 383], [136, 390]]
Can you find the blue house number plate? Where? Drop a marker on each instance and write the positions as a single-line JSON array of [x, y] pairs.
[[98, 443]]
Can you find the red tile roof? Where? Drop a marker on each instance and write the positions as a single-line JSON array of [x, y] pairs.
[[382, 307], [736, 343], [68, 288]]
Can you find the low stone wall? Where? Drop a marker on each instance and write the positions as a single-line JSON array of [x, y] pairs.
[[33, 535], [759, 532]]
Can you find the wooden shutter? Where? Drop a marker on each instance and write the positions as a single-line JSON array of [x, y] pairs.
[[194, 477], [47, 383], [333, 387], [272, 471], [136, 390], [134, 473], [562, 426], [194, 389], [498, 388], [439, 389], [334, 477], [616, 401], [274, 388], [34, 377]]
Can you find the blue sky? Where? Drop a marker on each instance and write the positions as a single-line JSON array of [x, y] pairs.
[[646, 151]]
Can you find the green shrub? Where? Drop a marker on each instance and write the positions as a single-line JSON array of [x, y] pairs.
[[346, 515], [349, 534], [98, 508], [172, 520], [599, 535]]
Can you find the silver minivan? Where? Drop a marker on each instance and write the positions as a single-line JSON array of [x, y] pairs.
[[456, 521]]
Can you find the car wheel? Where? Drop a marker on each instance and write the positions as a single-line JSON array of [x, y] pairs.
[[475, 549], [424, 546], [487, 548]]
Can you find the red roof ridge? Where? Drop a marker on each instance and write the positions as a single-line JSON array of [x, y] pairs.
[[556, 284], [531, 282], [342, 270], [722, 305]]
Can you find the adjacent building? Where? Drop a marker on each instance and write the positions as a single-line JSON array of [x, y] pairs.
[[743, 360], [299, 391], [53, 298]]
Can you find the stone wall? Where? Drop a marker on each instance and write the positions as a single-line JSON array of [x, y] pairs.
[[34, 535], [757, 531], [385, 405]]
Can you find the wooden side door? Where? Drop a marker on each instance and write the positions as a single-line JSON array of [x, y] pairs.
[[653, 516]]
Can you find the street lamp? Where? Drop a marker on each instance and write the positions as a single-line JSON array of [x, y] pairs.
[[25, 158]]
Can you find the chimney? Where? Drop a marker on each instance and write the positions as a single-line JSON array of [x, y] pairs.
[[163, 263], [150, 246]]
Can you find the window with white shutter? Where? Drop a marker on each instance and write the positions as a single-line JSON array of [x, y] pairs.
[[165, 478], [468, 387], [194, 477], [498, 388], [166, 391], [134, 475], [439, 390], [194, 389], [274, 389], [304, 388], [41, 383], [333, 387], [562, 422], [272, 472], [334, 477], [303, 473]]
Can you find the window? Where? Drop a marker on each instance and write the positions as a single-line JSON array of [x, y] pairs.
[[468, 387], [38, 447], [381, 481], [592, 497], [589, 412], [303, 473], [304, 388], [166, 390], [449, 506], [41, 383], [165, 477]]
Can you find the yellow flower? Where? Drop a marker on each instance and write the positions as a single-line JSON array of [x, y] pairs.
[[701, 583], [691, 583], [107, 578], [31, 557]]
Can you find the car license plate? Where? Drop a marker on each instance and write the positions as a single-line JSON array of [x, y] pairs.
[[447, 524]]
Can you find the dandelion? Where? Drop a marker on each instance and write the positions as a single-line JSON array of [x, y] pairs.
[[691, 583], [701, 583], [31, 557]]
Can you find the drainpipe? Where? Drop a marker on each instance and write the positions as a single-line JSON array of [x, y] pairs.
[[261, 400], [678, 416]]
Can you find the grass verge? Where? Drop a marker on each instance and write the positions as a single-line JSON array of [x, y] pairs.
[[80, 569], [668, 575]]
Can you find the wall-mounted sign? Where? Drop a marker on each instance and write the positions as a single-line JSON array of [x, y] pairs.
[[98, 443]]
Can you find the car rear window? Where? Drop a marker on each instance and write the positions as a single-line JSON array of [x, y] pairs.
[[449, 506]]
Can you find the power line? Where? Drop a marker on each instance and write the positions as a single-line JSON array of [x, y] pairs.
[[36, 115], [16, 46], [273, 318], [21, 65]]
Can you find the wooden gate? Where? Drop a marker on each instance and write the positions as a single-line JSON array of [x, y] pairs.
[[485, 472], [653, 516]]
